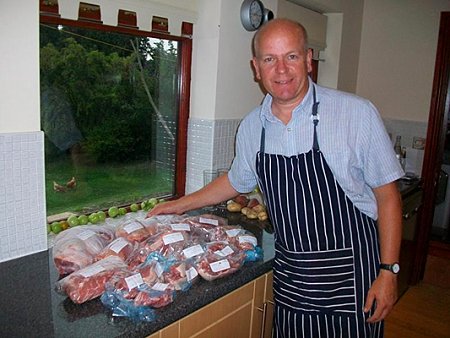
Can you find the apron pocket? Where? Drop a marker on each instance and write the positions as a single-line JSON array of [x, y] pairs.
[[320, 281]]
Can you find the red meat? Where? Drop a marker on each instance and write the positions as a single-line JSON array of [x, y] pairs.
[[89, 282]]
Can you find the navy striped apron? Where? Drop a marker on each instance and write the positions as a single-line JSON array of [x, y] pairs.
[[326, 249]]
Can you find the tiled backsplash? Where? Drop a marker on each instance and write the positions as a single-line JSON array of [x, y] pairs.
[[22, 200], [210, 146]]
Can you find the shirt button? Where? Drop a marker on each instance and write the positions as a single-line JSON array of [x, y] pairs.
[[289, 129]]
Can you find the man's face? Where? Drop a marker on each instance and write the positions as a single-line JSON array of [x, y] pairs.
[[282, 64]]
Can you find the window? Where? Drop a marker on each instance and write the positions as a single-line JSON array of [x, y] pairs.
[[114, 110]]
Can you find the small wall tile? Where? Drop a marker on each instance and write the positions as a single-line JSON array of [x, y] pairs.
[[22, 197], [210, 146]]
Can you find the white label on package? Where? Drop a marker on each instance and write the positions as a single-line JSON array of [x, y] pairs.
[[224, 252], [118, 244], [160, 286], [208, 221], [92, 270], [85, 234], [134, 281], [233, 232], [191, 274], [159, 269], [193, 251], [180, 227], [173, 238], [248, 239], [133, 226], [220, 265]]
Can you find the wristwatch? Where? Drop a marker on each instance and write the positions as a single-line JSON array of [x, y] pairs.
[[394, 268]]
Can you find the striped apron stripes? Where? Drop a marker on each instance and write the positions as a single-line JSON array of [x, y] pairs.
[[326, 249]]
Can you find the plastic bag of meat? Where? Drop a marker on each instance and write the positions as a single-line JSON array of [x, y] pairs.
[[156, 296], [205, 221], [180, 274], [122, 307], [165, 243], [76, 248], [240, 238], [224, 233], [221, 259], [126, 282], [135, 230], [119, 247], [89, 282]]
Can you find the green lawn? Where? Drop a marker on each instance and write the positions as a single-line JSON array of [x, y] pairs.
[[100, 186]]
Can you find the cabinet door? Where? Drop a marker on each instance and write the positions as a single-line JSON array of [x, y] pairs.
[[229, 316], [269, 307], [263, 307]]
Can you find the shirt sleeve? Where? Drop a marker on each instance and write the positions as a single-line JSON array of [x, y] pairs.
[[242, 174], [380, 163]]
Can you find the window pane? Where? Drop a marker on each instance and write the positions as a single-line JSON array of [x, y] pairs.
[[109, 111]]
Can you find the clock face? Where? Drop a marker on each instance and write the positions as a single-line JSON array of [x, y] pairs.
[[256, 14], [252, 14]]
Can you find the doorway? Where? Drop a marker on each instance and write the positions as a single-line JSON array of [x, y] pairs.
[[435, 144]]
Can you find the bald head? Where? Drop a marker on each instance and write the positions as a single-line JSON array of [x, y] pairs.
[[280, 26]]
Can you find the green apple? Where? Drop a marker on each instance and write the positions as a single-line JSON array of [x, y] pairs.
[[152, 202], [73, 221], [56, 227], [122, 211], [134, 207], [93, 218], [49, 228], [83, 219], [145, 206], [113, 212], [101, 215]]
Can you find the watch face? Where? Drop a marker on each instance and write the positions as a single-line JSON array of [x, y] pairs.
[[395, 268]]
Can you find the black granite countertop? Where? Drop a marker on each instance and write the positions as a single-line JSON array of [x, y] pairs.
[[29, 306]]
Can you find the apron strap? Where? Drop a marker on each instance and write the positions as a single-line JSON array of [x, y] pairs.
[[262, 141], [315, 119]]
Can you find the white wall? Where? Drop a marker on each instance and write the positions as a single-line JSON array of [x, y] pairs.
[[397, 56], [19, 66]]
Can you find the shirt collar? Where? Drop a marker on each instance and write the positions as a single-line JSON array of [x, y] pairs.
[[305, 107]]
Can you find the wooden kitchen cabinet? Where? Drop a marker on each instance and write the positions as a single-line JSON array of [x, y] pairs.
[[238, 314]]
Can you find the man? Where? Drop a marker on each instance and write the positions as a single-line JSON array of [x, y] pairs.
[[327, 170]]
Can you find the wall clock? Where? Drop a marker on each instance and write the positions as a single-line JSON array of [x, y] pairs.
[[253, 14]]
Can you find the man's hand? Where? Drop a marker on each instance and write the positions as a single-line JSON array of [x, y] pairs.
[[169, 207], [383, 294]]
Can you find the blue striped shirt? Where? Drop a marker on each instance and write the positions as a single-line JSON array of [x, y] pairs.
[[351, 135]]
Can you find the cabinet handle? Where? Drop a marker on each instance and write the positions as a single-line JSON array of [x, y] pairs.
[[264, 313], [263, 323]]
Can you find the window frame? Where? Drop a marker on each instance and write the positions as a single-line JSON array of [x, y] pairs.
[[184, 80]]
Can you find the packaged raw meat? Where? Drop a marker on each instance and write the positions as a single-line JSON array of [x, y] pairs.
[[89, 282], [221, 259], [77, 247], [120, 247], [165, 243], [122, 307], [135, 231], [181, 274], [156, 296], [126, 282], [205, 221]]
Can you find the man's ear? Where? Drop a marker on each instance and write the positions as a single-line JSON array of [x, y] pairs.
[[255, 69], [309, 56]]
